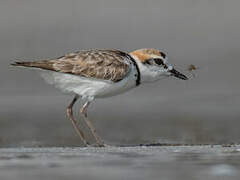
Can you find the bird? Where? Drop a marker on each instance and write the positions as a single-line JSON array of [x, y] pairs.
[[99, 73]]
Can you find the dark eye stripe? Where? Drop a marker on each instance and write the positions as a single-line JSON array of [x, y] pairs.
[[158, 61], [162, 54]]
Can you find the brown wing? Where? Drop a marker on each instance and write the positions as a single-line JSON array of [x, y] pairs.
[[100, 64]]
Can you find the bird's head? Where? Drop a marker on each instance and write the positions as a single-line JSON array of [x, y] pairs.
[[153, 65]]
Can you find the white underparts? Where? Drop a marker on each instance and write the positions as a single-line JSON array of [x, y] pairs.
[[90, 87]]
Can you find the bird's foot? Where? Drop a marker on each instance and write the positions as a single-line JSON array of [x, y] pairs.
[[99, 145]]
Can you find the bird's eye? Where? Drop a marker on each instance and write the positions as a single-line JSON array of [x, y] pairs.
[[158, 61]]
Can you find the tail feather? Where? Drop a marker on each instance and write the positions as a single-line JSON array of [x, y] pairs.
[[38, 64]]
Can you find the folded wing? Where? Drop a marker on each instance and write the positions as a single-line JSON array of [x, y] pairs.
[[110, 65]]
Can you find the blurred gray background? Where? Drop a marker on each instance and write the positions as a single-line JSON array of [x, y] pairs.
[[204, 109]]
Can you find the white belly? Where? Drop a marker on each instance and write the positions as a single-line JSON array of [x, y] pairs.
[[89, 87]]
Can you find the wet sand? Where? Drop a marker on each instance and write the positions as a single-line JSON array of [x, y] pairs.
[[142, 162]]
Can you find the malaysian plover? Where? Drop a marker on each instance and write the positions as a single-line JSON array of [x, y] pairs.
[[92, 74]]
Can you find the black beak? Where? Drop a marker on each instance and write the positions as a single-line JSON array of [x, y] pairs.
[[178, 74]]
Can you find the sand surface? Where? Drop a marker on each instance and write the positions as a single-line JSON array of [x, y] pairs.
[[162, 162]]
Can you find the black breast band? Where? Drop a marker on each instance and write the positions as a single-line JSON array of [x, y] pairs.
[[138, 80]]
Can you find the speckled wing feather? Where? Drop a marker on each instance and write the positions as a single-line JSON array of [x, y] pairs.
[[111, 65]]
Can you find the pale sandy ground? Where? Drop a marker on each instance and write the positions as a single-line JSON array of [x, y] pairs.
[[163, 162]]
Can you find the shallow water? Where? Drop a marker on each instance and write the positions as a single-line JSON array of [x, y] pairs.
[[165, 162]]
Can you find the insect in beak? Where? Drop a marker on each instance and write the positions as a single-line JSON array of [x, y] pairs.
[[178, 74]]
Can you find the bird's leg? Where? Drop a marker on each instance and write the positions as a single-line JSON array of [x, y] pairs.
[[83, 110], [74, 122]]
